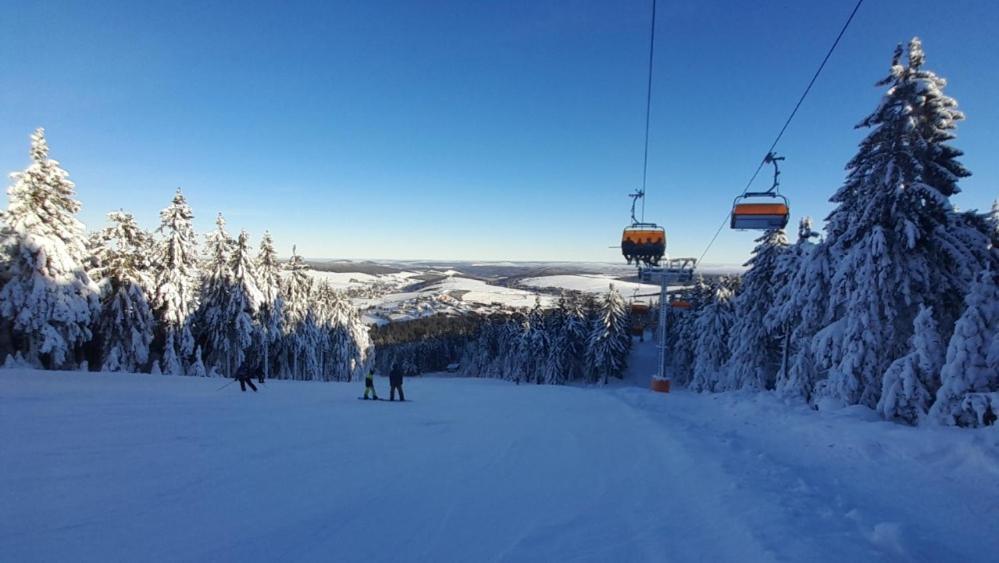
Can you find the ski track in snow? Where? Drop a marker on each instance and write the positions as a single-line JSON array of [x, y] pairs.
[[100, 467]]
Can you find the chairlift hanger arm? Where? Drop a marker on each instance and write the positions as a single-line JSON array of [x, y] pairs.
[[635, 196], [772, 158]]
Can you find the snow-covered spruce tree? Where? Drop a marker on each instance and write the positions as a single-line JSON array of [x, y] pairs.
[[271, 305], [556, 361], [712, 325], [125, 326], [359, 334], [210, 319], [298, 342], [516, 354], [175, 286], [535, 344], [48, 297], [892, 233], [785, 318], [912, 380], [755, 349], [971, 372], [242, 305], [577, 332], [682, 334], [610, 340], [341, 343], [807, 301]]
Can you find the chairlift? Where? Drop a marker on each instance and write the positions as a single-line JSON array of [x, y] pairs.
[[771, 213], [642, 243]]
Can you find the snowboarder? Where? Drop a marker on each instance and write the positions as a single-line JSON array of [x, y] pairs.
[[245, 378], [395, 382], [369, 385]]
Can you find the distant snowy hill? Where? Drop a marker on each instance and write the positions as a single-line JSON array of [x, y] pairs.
[[399, 290]]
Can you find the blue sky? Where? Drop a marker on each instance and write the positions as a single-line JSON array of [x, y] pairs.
[[468, 129]]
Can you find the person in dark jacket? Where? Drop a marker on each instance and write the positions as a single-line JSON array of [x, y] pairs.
[[395, 382], [245, 377]]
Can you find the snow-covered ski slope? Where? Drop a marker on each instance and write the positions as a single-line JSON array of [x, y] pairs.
[[99, 467]]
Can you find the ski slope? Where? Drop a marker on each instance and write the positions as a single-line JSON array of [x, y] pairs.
[[98, 467]]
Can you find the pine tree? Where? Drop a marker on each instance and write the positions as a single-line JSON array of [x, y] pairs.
[[793, 316], [912, 380], [241, 305], [893, 232], [576, 328], [972, 367], [211, 321], [756, 350], [271, 305], [175, 273], [126, 324], [48, 297], [712, 326], [609, 340], [298, 343], [556, 361]]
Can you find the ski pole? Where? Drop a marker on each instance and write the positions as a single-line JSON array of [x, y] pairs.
[[226, 385]]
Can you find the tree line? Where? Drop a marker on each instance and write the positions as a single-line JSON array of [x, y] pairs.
[[895, 308], [124, 299], [582, 338]]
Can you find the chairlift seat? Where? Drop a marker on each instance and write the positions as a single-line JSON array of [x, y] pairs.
[[760, 216], [643, 243]]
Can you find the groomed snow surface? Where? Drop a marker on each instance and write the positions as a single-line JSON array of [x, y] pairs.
[[99, 467]]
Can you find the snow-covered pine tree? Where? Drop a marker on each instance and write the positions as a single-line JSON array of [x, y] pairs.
[[755, 349], [125, 325], [362, 349], [211, 321], [175, 281], [807, 301], [912, 380], [970, 376], [892, 233], [784, 319], [48, 297], [577, 332], [242, 305], [610, 340], [536, 344], [712, 325], [682, 332], [297, 348], [556, 361], [272, 304]]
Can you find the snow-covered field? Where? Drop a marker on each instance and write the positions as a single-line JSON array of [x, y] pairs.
[[343, 280], [595, 283], [99, 467]]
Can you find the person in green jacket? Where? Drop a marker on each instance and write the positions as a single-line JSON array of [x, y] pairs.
[[369, 385]]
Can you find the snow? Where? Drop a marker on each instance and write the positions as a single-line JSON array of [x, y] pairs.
[[142, 467], [477, 291], [591, 284], [343, 280]]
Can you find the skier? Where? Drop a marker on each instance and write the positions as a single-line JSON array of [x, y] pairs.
[[245, 378], [395, 382], [369, 385]]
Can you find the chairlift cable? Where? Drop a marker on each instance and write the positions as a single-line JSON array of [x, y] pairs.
[[790, 117], [648, 105]]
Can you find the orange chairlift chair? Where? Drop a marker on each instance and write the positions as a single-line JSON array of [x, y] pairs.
[[762, 215], [642, 243]]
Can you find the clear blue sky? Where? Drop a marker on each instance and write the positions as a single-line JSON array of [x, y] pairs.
[[468, 129]]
